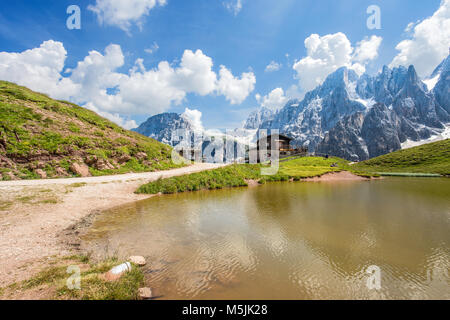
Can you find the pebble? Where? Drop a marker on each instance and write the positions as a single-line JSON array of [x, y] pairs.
[[137, 260], [145, 293]]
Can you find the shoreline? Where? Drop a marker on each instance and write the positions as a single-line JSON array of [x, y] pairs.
[[37, 232], [34, 214]]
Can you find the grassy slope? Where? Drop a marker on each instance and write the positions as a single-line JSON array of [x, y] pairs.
[[238, 175], [428, 158], [35, 129]]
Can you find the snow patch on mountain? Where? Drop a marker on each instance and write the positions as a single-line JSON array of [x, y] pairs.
[[431, 82], [443, 135]]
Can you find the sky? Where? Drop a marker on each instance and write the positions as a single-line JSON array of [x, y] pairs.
[[214, 60]]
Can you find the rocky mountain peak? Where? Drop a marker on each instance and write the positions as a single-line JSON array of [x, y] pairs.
[[395, 105], [161, 127]]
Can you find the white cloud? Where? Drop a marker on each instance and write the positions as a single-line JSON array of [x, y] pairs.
[[39, 69], [367, 49], [273, 66], [328, 53], [95, 75], [123, 14], [275, 100], [234, 6], [195, 118], [152, 49], [429, 43], [195, 73], [96, 83], [234, 89]]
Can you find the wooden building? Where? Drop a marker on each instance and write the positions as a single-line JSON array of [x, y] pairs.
[[282, 143]]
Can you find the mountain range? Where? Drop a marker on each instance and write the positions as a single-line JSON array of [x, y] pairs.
[[350, 116]]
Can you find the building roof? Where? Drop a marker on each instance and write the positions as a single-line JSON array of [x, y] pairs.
[[282, 136]]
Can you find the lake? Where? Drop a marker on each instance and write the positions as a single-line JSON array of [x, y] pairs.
[[289, 240]]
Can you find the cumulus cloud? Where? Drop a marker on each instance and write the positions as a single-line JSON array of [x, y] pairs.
[[195, 73], [234, 6], [39, 69], [274, 100], [124, 14], [367, 49], [195, 118], [95, 75], [429, 42], [96, 83], [234, 89], [328, 53], [273, 66]]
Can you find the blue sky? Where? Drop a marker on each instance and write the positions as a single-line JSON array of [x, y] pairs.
[[244, 42]]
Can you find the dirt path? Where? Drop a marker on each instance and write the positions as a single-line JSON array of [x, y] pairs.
[[151, 176], [34, 213]]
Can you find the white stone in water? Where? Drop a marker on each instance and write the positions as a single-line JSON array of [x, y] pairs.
[[137, 260]]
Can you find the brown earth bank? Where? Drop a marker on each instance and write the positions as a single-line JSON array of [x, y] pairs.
[[41, 220], [338, 176]]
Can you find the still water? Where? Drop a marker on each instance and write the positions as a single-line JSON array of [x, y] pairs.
[[289, 240]]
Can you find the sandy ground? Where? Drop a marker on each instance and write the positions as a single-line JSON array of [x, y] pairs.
[[34, 214]]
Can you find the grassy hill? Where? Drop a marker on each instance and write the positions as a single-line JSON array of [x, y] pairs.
[[428, 158], [41, 137]]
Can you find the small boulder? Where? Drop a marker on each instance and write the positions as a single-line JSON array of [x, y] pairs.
[[145, 293], [147, 163], [103, 164], [80, 169], [141, 156], [40, 165], [124, 159], [36, 165], [91, 160], [61, 172], [137, 260], [41, 173]]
